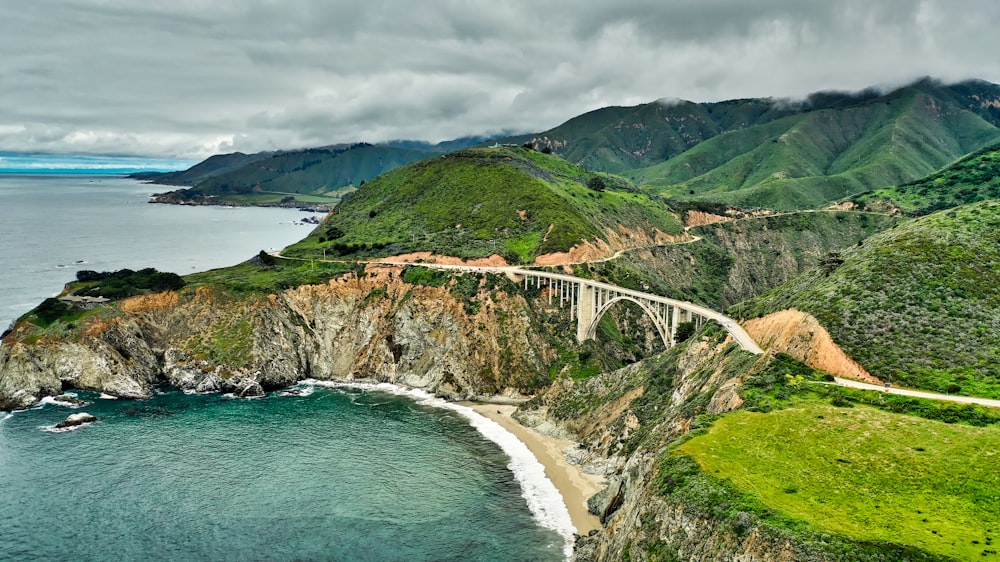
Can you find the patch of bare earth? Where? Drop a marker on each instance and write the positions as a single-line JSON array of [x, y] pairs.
[[800, 335], [618, 239], [427, 257], [699, 218]]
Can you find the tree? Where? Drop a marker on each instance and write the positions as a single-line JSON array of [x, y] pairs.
[[51, 310], [596, 183], [684, 332]]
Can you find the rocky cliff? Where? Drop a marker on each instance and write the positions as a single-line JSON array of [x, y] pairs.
[[376, 327]]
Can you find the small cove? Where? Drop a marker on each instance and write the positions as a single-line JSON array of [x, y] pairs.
[[326, 473]]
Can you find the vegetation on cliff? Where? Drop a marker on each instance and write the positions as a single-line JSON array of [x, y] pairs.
[[863, 473], [739, 259], [918, 304]]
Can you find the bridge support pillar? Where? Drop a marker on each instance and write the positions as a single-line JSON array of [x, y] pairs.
[[675, 319], [585, 310]]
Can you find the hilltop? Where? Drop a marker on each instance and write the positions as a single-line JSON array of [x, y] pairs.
[[513, 202]]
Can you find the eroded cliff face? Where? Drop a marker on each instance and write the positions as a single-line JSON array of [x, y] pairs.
[[376, 327], [623, 421]]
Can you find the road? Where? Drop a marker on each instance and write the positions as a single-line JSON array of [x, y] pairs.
[[919, 393]]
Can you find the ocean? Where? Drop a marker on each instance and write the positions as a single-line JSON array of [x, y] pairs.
[[316, 472], [53, 225]]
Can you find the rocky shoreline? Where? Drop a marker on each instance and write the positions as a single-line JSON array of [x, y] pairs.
[[183, 197]]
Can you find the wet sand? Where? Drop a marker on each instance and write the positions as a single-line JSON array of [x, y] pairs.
[[575, 486]]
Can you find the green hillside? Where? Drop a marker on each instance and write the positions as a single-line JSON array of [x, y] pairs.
[[615, 139], [973, 178], [737, 260], [511, 201], [618, 139], [918, 304], [315, 175], [813, 158]]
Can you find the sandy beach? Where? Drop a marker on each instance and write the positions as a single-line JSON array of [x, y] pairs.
[[574, 485]]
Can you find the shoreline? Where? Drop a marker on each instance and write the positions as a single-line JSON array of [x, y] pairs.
[[573, 484]]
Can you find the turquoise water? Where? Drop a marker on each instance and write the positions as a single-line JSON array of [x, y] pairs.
[[332, 474]]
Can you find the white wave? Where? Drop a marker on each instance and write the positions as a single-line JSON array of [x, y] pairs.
[[301, 389], [107, 397], [6, 417], [52, 400], [544, 500]]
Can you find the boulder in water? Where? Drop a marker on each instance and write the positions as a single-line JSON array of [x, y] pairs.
[[76, 419]]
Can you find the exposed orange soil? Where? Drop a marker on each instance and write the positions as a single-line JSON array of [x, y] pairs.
[[800, 335], [428, 257]]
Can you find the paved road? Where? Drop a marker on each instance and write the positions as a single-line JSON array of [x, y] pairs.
[[919, 393]]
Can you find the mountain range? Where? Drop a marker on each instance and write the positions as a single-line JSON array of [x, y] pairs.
[[746, 153]]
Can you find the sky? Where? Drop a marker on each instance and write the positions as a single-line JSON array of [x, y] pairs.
[[186, 79]]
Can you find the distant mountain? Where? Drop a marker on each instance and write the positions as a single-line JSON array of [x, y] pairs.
[[818, 156], [749, 153], [211, 167], [781, 154], [973, 178], [314, 176], [441, 147], [473, 203]]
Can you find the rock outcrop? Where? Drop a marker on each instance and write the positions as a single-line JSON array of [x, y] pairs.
[[376, 327], [74, 420]]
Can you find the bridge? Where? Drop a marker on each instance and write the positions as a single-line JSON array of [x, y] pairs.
[[588, 301]]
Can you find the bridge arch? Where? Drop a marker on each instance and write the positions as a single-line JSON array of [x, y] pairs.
[[659, 320]]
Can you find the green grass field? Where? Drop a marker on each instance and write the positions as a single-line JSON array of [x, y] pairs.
[[866, 474]]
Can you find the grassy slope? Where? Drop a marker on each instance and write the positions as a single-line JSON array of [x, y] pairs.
[[813, 158], [973, 178], [864, 473], [919, 304], [459, 204]]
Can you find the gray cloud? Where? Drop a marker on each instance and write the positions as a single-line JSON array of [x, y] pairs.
[[190, 78]]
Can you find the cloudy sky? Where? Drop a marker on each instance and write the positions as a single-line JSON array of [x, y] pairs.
[[189, 78]]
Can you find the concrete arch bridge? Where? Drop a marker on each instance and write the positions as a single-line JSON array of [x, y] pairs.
[[589, 300]]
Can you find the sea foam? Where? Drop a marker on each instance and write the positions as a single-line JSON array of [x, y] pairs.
[[544, 500]]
